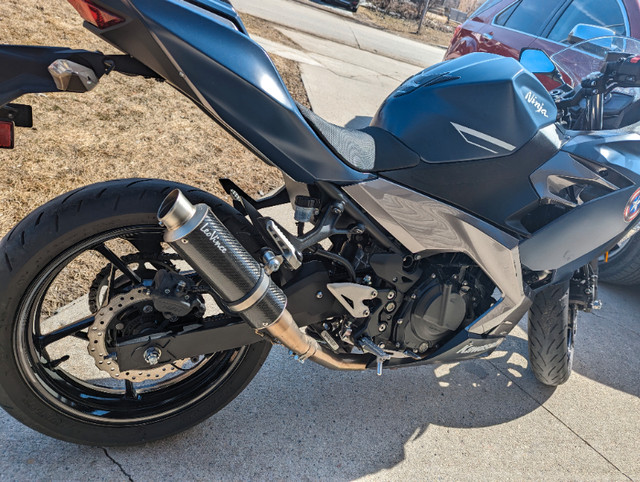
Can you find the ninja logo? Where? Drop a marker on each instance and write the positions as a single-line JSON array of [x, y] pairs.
[[539, 106]]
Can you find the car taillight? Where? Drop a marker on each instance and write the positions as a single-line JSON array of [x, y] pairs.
[[6, 135], [457, 30], [96, 16]]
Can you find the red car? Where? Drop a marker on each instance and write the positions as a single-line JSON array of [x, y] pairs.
[[505, 27]]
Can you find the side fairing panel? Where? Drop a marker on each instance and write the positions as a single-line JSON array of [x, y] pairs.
[[202, 49], [495, 189]]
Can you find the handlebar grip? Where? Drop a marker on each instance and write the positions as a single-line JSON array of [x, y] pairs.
[[626, 72]]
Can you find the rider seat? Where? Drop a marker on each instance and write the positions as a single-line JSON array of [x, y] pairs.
[[367, 150]]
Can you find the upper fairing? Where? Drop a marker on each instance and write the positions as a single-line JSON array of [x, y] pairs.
[[478, 106], [617, 148]]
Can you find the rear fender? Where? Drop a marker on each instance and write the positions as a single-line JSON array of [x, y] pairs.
[[24, 69]]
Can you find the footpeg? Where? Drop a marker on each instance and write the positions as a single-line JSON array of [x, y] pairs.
[[369, 346], [72, 77]]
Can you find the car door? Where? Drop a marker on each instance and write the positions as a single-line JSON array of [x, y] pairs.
[[517, 26]]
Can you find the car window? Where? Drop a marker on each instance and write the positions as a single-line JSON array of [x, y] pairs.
[[527, 16], [484, 7], [604, 13]]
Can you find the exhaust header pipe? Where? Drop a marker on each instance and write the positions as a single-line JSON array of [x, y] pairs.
[[236, 277]]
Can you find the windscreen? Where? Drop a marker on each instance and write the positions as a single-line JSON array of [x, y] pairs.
[[583, 58]]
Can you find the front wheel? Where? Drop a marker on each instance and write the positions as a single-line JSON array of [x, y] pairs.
[[74, 282], [552, 328], [623, 264]]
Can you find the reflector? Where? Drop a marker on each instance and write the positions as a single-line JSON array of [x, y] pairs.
[[6, 135], [96, 16]]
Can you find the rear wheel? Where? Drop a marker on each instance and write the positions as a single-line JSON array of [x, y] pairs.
[[78, 267], [552, 328]]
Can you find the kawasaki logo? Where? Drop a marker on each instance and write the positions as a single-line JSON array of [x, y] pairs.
[[539, 106], [470, 348]]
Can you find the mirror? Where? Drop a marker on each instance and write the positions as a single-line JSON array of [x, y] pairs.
[[537, 62], [583, 31]]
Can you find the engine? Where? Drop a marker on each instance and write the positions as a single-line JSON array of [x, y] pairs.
[[450, 293], [439, 310], [402, 306]]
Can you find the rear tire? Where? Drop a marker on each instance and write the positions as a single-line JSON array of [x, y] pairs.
[[552, 329], [623, 267], [52, 398]]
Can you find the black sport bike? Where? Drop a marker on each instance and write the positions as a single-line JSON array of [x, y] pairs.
[[133, 309]]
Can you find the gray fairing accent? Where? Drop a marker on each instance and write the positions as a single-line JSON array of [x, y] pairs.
[[575, 239], [427, 226]]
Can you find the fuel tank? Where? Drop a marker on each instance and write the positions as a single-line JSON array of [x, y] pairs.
[[479, 106]]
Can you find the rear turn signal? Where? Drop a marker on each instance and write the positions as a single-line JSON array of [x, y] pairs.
[[6, 135], [96, 16]]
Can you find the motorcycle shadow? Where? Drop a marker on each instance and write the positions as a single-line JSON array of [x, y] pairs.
[[303, 421], [608, 340]]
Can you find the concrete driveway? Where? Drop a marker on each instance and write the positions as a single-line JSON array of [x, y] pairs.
[[320, 23], [479, 420]]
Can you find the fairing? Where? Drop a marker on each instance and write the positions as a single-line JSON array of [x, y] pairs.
[[588, 228]]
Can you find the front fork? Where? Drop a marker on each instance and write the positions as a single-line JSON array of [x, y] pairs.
[[583, 292]]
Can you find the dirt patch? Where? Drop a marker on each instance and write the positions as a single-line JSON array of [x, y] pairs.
[[127, 127], [436, 30]]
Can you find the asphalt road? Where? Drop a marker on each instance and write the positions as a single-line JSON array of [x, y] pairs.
[[326, 25]]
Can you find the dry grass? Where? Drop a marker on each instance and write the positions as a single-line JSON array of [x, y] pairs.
[[433, 32], [126, 127]]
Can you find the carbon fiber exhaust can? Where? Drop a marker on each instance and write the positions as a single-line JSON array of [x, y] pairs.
[[236, 277], [207, 245]]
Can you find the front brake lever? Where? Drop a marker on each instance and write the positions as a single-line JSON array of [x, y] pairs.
[[571, 99]]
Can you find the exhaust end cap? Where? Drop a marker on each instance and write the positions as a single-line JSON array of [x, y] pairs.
[[175, 210]]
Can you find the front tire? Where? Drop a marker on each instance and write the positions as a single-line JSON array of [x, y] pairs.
[[552, 329], [50, 391], [623, 266]]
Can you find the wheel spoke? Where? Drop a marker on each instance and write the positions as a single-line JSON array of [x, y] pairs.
[[71, 329], [148, 244], [56, 363], [81, 335], [130, 391], [117, 262]]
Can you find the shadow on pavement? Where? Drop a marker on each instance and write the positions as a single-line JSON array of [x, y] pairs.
[[609, 340], [359, 122], [305, 422]]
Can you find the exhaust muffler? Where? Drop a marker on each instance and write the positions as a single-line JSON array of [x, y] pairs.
[[239, 281]]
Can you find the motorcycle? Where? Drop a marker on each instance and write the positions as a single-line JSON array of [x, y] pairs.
[[423, 238]]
